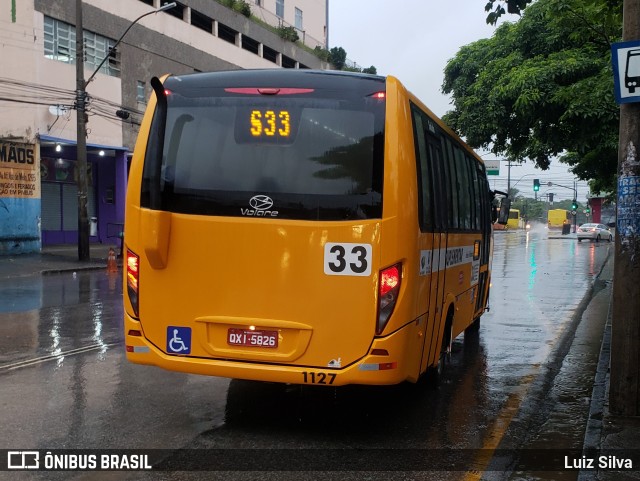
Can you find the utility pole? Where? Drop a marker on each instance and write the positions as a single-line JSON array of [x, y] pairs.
[[624, 392], [81, 156], [575, 198], [81, 114]]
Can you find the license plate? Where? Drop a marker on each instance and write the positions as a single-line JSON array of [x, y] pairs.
[[250, 338]]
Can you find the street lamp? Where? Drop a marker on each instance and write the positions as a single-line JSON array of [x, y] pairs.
[[81, 114]]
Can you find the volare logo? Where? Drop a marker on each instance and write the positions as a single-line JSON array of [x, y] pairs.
[[261, 202], [260, 207]]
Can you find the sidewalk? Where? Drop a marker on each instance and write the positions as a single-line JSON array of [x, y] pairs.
[[55, 259], [605, 431]]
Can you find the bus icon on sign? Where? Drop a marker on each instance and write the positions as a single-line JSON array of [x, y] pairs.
[[632, 70], [625, 59]]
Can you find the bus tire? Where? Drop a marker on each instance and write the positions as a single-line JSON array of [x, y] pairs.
[[473, 328], [433, 374]]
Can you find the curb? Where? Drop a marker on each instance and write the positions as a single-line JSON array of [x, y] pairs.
[[593, 432], [46, 272]]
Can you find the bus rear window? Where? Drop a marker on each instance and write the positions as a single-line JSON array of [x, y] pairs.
[[313, 154]]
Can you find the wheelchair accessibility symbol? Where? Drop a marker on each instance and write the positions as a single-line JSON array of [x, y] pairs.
[[178, 340]]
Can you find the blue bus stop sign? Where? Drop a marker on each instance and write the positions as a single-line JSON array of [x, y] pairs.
[[625, 57]]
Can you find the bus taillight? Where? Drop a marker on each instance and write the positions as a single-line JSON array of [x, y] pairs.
[[133, 264], [388, 290]]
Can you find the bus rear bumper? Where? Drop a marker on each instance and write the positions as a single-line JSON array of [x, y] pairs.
[[373, 369]]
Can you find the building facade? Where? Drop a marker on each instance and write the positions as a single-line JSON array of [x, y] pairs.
[[38, 175]]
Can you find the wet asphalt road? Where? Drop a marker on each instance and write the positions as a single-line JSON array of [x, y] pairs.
[[523, 381]]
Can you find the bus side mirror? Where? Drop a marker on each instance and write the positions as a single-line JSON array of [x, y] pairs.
[[503, 216], [500, 207]]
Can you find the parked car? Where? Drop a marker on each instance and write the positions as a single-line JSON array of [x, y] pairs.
[[594, 232]]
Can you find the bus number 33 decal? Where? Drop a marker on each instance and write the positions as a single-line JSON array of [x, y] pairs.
[[347, 259]]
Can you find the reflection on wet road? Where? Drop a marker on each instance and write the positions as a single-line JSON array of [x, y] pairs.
[[63, 369], [44, 316]]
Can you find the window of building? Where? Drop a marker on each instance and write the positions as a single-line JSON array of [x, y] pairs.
[[280, 8], [269, 54], [259, 3], [299, 19], [227, 33], [59, 40], [60, 45], [201, 21], [141, 95], [177, 11], [96, 48], [250, 44], [288, 62]]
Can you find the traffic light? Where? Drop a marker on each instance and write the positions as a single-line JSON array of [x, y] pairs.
[[536, 185], [587, 210], [550, 197], [574, 204]]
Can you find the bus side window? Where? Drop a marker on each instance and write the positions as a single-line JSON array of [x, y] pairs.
[[475, 193], [464, 199], [454, 212], [424, 190], [438, 173]]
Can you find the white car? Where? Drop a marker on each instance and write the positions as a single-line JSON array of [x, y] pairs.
[[594, 232]]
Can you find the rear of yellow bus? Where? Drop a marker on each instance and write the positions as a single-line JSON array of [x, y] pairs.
[[254, 226], [514, 219], [557, 218]]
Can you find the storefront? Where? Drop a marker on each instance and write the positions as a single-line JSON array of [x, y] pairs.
[[107, 173]]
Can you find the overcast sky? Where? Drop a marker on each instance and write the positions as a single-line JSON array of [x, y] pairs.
[[413, 40]]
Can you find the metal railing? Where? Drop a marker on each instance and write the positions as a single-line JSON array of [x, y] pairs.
[[273, 20]]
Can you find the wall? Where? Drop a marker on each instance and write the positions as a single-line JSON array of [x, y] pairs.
[[19, 197]]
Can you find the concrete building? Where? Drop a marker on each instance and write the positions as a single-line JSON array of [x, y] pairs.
[[38, 191]]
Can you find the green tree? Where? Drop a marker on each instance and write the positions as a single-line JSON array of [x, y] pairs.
[[543, 87], [530, 209], [338, 57], [496, 8]]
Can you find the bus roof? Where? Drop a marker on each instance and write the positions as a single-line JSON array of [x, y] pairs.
[[274, 78]]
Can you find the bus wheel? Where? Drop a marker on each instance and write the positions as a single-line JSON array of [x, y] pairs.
[[434, 373], [473, 328]]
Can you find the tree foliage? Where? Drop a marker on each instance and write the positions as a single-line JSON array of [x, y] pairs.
[[338, 57], [496, 8], [288, 33], [543, 87]]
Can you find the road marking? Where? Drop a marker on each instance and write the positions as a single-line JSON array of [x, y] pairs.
[[53, 357], [499, 427]]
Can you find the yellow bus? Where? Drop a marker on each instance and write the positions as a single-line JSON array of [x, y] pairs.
[[301, 227], [514, 219], [557, 218]]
